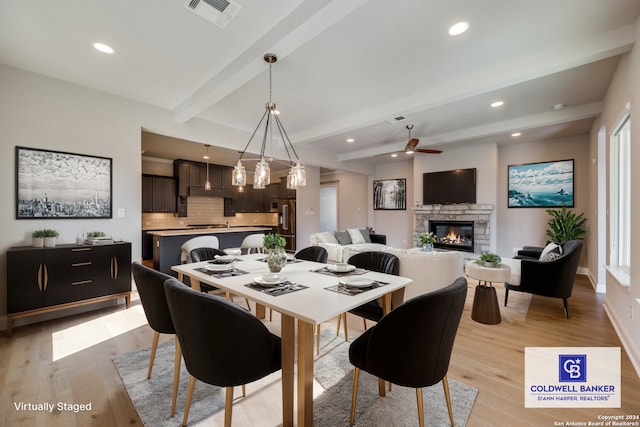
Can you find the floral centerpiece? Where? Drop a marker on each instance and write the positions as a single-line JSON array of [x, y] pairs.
[[426, 240], [277, 258]]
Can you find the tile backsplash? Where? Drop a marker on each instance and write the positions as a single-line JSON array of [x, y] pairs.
[[205, 210]]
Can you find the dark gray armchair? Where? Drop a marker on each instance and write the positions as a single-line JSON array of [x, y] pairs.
[[548, 278]]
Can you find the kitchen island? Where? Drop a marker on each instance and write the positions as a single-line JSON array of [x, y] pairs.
[[167, 244]]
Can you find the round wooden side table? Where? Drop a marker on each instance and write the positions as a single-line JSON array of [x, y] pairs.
[[485, 301]]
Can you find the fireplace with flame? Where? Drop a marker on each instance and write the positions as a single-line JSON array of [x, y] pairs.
[[457, 235]]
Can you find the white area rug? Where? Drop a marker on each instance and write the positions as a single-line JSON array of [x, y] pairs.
[[152, 398]]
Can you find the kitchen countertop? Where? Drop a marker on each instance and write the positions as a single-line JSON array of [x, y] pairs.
[[196, 231]]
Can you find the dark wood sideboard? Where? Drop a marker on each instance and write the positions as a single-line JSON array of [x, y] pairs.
[[42, 280]]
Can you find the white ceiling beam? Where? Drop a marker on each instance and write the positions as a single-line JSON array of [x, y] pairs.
[[522, 69], [307, 21], [548, 118]]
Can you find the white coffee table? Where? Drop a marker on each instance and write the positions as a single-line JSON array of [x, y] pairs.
[[485, 301]]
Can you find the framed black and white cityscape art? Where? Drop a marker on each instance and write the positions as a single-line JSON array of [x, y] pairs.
[[541, 185], [53, 184], [390, 194]]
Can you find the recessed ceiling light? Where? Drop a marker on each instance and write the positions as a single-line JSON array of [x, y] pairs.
[[458, 28], [516, 134], [350, 140], [103, 48], [394, 155], [497, 104], [558, 106]]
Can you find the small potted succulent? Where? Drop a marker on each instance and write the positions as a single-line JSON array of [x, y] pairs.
[[50, 237], [37, 239], [426, 240], [488, 259], [92, 235], [277, 257]]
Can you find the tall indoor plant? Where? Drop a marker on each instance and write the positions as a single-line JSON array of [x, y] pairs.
[[277, 257], [565, 225]]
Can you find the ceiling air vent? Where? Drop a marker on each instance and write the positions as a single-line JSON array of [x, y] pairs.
[[219, 12], [396, 119]]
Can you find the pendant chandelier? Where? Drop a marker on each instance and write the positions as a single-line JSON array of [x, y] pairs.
[[297, 176]]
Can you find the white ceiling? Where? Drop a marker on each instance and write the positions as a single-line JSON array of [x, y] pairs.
[[345, 68]]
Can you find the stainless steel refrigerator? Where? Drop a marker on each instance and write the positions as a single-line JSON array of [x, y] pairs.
[[287, 222]]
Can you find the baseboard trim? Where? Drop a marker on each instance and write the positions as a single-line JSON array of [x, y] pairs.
[[627, 342]]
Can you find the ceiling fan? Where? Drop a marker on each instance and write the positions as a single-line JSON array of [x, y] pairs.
[[413, 142]]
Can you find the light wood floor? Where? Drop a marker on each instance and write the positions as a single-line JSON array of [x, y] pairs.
[[68, 360]]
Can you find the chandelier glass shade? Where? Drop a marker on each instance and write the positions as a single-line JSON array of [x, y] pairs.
[[262, 177]]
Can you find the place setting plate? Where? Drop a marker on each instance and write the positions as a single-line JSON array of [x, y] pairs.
[[270, 280], [334, 268], [357, 282], [219, 268]]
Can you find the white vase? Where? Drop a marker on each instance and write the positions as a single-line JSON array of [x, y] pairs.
[[37, 242], [49, 242]]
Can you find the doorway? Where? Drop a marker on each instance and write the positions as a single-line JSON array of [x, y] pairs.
[[329, 206]]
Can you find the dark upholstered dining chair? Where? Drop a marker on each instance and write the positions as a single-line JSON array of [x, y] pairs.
[[149, 283], [382, 262], [549, 278], [222, 344], [208, 254], [313, 253], [411, 346]]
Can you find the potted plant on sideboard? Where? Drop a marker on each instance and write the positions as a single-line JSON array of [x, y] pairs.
[[50, 237], [37, 239]]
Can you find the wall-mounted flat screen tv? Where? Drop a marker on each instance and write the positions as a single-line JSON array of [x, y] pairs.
[[448, 187]]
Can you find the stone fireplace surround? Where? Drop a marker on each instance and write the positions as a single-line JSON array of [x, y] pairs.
[[479, 214]]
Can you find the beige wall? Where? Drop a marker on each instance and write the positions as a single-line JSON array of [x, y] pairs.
[[353, 199], [527, 226], [396, 225], [44, 113], [623, 302]]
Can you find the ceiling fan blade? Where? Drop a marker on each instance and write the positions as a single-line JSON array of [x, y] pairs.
[[411, 144], [427, 150]]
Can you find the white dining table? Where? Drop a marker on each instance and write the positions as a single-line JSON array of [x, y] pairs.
[[307, 307]]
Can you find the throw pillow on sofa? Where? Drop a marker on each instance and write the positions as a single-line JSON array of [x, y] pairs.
[[551, 252], [326, 237], [343, 237], [357, 235]]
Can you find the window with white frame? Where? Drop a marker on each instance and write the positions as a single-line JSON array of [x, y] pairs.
[[620, 195]]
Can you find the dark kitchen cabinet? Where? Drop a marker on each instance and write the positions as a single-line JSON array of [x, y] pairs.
[[192, 177], [42, 280], [249, 200], [158, 194]]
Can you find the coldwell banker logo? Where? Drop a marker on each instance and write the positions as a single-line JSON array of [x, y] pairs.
[[573, 368], [572, 377]]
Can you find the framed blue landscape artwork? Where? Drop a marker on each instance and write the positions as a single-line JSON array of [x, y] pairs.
[[541, 185]]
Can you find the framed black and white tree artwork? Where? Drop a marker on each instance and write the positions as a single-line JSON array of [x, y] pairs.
[[390, 194], [54, 184]]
